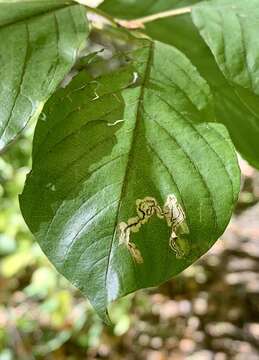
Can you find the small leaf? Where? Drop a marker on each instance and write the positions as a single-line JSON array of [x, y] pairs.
[[39, 41], [143, 131], [236, 102]]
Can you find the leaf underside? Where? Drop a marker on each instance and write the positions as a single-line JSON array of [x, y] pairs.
[[143, 130], [220, 37], [39, 41]]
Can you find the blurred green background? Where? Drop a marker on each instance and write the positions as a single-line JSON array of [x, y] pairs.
[[210, 312]]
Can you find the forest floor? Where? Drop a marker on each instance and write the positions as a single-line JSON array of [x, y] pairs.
[[209, 312]]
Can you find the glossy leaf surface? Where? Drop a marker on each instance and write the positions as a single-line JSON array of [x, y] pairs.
[[39, 41], [227, 58], [143, 130]]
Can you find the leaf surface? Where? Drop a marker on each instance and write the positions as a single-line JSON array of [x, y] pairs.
[[230, 29], [143, 130], [39, 41], [227, 57]]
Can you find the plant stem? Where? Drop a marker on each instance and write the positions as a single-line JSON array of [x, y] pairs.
[[139, 22], [146, 19]]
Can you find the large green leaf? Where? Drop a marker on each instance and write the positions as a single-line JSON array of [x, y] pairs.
[[143, 130], [39, 41], [236, 102]]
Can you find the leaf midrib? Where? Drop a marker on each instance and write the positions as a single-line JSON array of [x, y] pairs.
[[25, 22], [131, 151], [26, 58]]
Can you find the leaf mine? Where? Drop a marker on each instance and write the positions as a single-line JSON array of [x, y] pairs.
[[172, 212]]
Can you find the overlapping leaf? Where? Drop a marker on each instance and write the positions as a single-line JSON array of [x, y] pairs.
[[229, 28], [39, 41], [143, 130]]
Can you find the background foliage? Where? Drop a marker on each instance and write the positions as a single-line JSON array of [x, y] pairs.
[[209, 310]]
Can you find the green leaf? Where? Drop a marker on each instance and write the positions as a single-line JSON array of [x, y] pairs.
[[230, 29], [143, 130], [39, 41], [236, 105]]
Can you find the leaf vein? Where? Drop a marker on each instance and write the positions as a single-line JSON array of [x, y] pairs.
[[188, 157], [26, 57], [205, 141]]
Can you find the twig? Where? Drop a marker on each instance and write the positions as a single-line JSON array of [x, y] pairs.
[[139, 22]]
